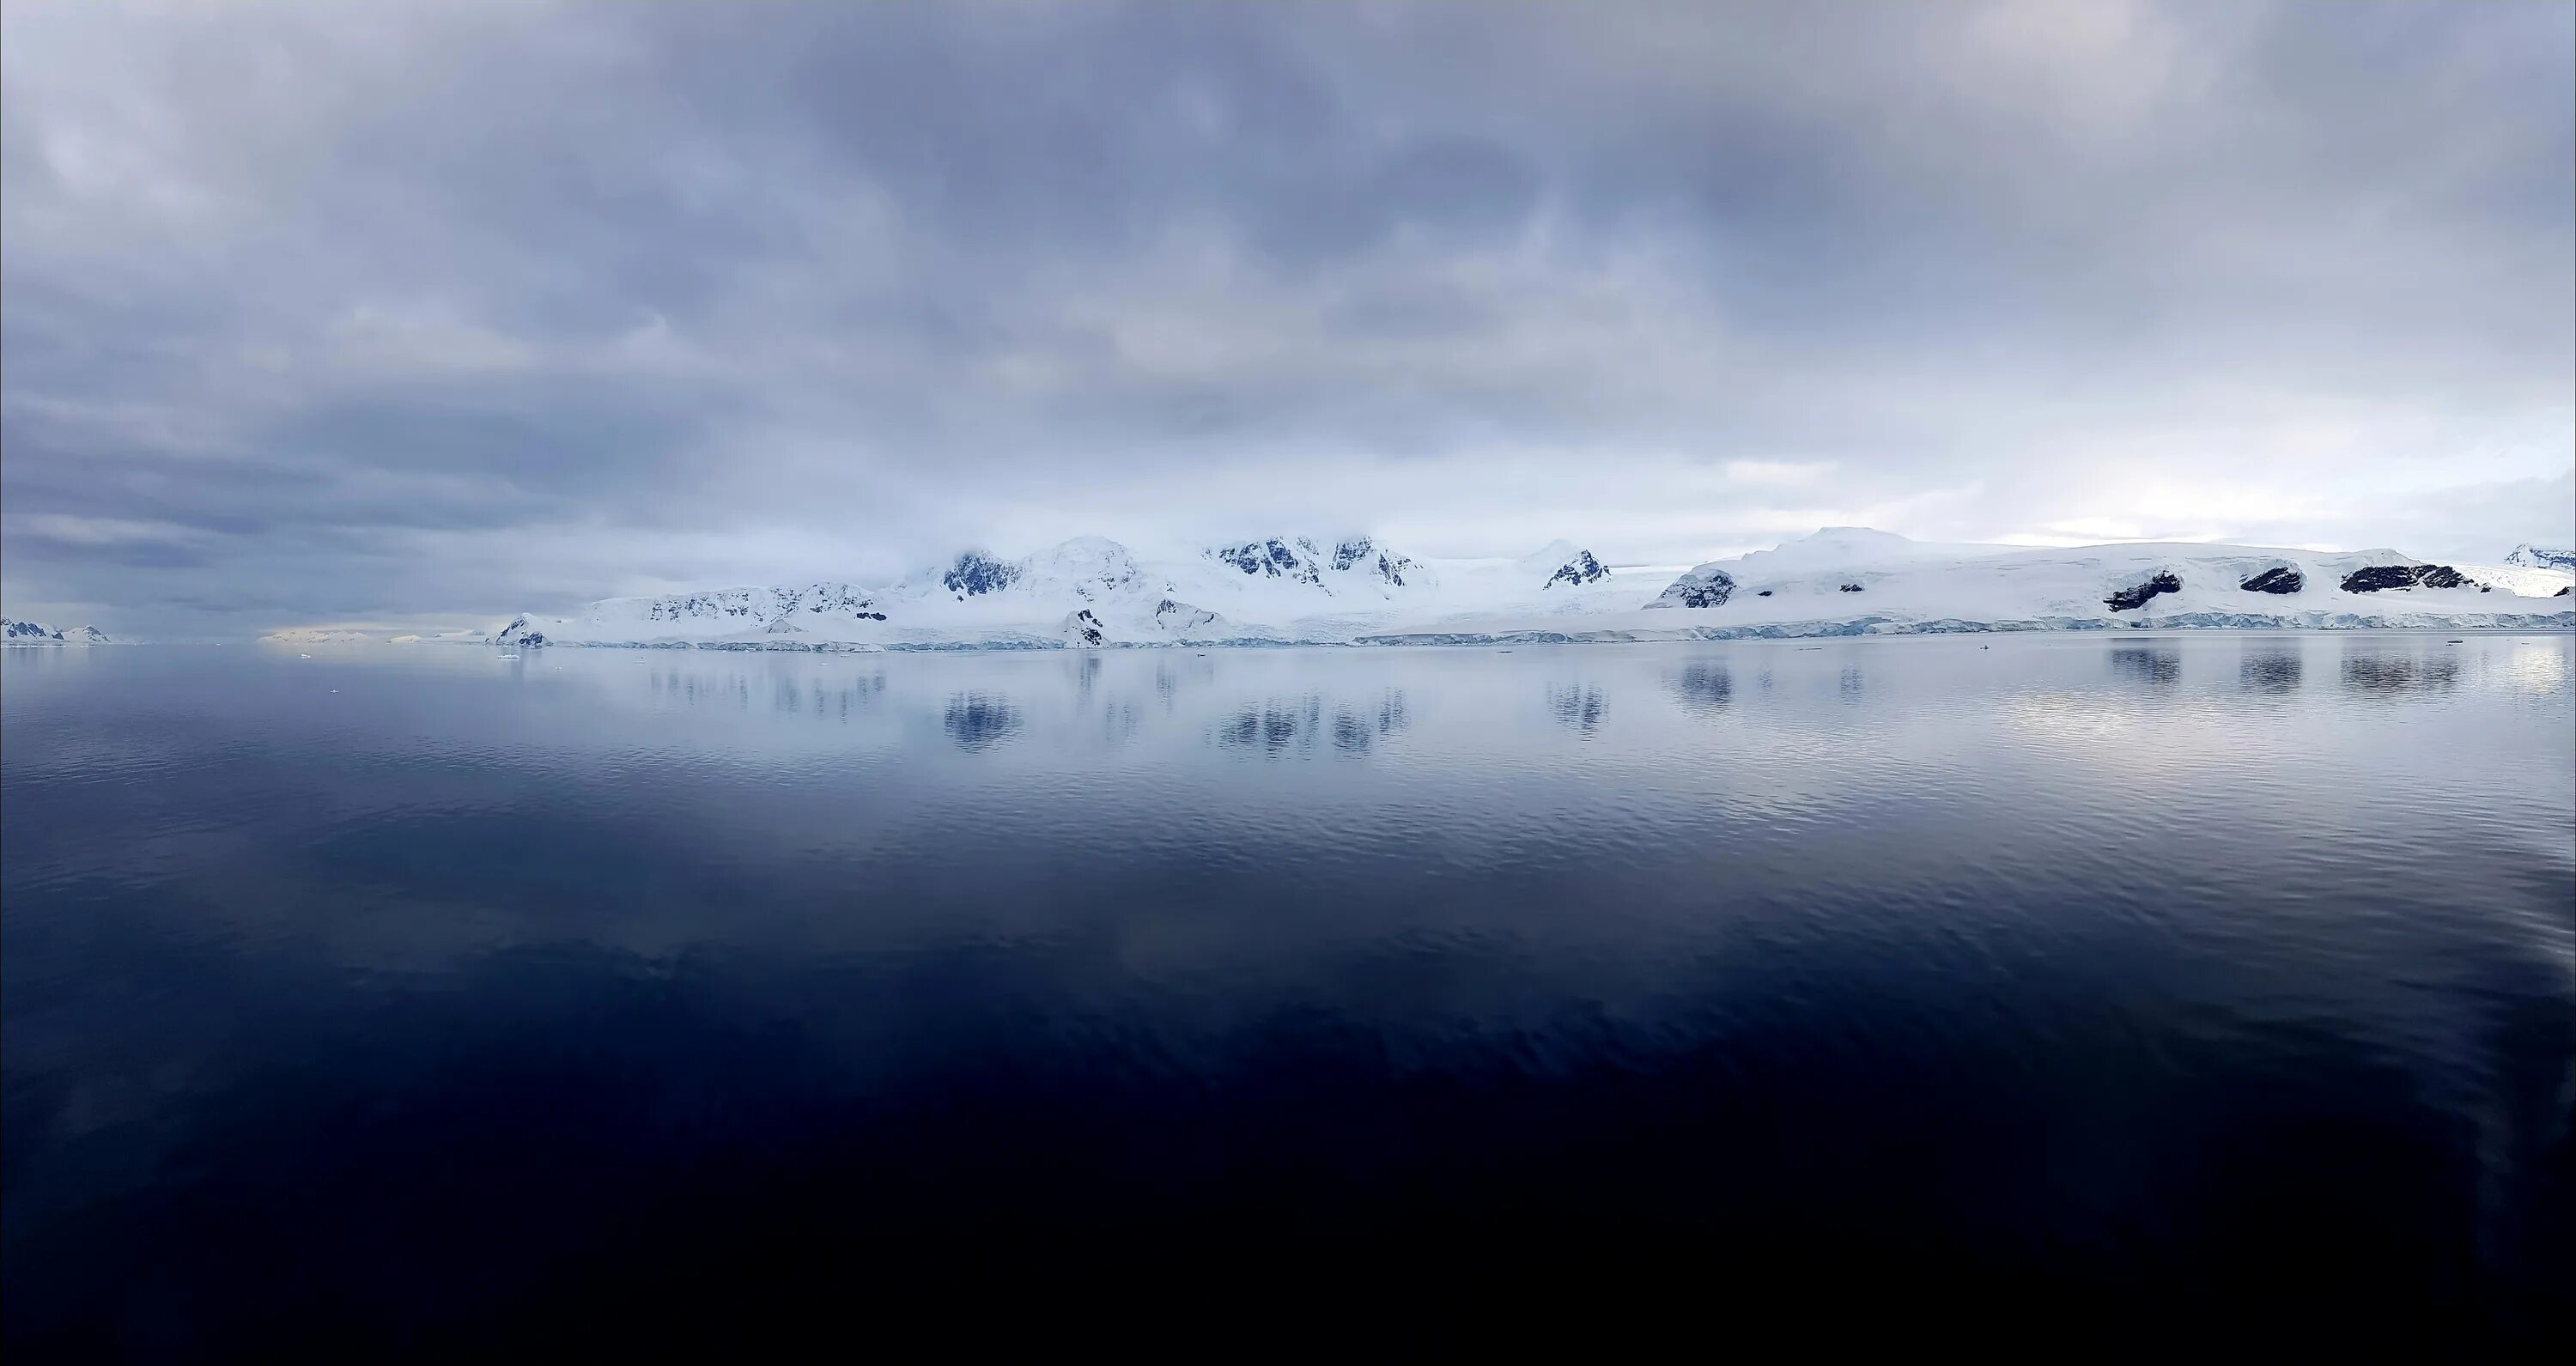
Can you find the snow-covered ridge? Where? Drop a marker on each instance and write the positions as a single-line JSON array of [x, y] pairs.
[[16, 632], [322, 635], [1094, 592], [2529, 556]]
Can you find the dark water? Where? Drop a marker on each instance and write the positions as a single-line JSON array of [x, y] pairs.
[[417, 998]]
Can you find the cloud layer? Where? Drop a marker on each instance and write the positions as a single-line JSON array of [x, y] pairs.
[[423, 313]]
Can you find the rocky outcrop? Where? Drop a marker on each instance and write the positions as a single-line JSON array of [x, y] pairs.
[[520, 631], [2382, 577], [1706, 586], [1082, 628], [1576, 572], [976, 573], [2278, 579], [1851, 588], [1302, 560], [1369, 557], [2131, 599], [1274, 557]]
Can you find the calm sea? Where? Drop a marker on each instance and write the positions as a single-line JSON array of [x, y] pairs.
[[420, 998]]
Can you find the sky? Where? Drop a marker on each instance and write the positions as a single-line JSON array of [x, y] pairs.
[[418, 315]]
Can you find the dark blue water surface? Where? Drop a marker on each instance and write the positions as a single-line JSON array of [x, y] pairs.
[[416, 998]]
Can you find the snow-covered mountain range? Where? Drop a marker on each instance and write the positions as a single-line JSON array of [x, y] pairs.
[[1094, 592], [16, 632], [2531, 556]]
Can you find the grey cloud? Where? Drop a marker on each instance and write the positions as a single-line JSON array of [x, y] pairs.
[[402, 312]]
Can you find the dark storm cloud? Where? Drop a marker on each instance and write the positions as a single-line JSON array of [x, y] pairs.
[[395, 313]]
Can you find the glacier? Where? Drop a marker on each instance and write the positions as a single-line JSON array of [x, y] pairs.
[[1095, 593]]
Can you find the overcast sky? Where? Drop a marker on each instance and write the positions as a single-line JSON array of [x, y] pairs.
[[418, 315]]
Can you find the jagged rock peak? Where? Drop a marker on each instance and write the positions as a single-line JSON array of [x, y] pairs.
[[977, 573], [1578, 570], [2531, 556], [1301, 559]]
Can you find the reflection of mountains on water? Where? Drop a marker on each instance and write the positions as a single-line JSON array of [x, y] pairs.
[[787, 692], [2397, 675], [2153, 665], [2278, 669], [1276, 728], [1702, 687], [1580, 706], [979, 721]]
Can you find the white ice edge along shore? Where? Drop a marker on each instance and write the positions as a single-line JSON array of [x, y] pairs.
[[1094, 593]]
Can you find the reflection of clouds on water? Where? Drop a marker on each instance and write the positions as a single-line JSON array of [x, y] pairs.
[[1580, 706], [2387, 674], [2151, 665], [2270, 669], [979, 721], [2535, 666]]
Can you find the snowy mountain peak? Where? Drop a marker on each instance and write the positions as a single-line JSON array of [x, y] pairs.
[[1304, 560], [37, 632], [2529, 556], [1090, 592], [1273, 558], [1577, 570], [15, 632], [976, 573]]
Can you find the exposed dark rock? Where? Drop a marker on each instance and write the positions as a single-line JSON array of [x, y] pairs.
[[976, 573], [2564, 591], [1274, 557], [1582, 569], [1086, 628], [2374, 578], [1763, 594], [532, 638], [2279, 579], [1698, 588], [1358, 554], [2130, 599], [1852, 588]]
